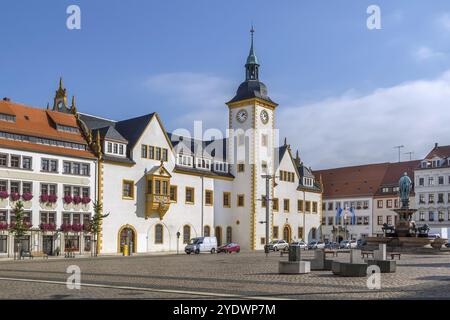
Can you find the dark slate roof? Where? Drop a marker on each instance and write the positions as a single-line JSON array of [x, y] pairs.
[[252, 89], [132, 128], [305, 172], [94, 122], [216, 149], [110, 133]]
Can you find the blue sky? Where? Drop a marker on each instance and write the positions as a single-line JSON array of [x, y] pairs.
[[184, 59]]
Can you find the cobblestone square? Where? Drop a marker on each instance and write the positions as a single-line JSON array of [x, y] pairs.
[[247, 275]]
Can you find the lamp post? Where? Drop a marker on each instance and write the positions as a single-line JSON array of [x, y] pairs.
[[267, 200], [178, 239]]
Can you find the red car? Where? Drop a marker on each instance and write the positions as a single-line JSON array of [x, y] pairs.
[[229, 248]]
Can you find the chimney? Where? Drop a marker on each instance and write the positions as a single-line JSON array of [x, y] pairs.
[[436, 145], [6, 99]]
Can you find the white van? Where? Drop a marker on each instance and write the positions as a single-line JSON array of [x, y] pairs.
[[201, 244]]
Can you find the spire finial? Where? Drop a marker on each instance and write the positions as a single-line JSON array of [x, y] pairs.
[[60, 83], [252, 64]]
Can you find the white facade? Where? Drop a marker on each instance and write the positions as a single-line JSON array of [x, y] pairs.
[[432, 195]]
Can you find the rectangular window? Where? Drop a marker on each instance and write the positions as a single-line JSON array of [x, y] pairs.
[[173, 193], [26, 163], [389, 203], [440, 198], [14, 187], [366, 220], [263, 201], [240, 200], [66, 218], [165, 187], [431, 216], [190, 195], [441, 180], [3, 185], [380, 204], [275, 204], [157, 187], [208, 197], [422, 216], [76, 168], [264, 140], [308, 206], [431, 198], [300, 205], [85, 192], [151, 152], [421, 198], [380, 220], [3, 216], [389, 220], [3, 244], [128, 189], [314, 207], [144, 153], [3, 160], [115, 148], [121, 150], [85, 169], [226, 200], [430, 181], [165, 154], [110, 147], [421, 181], [241, 167], [330, 206], [158, 153], [27, 187], [15, 161], [330, 221], [67, 167], [275, 232], [286, 205], [300, 232]]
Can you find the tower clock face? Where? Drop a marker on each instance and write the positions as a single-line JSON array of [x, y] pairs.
[[264, 116], [241, 116]]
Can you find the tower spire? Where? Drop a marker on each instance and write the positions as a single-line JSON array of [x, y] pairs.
[[252, 65]]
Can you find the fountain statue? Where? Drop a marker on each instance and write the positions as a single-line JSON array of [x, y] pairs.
[[405, 233]]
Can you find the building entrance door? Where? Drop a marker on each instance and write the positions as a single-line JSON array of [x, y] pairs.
[[47, 245]]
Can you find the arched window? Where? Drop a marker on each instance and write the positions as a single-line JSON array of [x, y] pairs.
[[206, 231], [229, 234], [186, 234], [159, 234]]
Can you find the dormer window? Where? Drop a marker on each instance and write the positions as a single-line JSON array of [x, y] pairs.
[[308, 182], [114, 148], [184, 160], [7, 117], [67, 129], [202, 163], [220, 166]]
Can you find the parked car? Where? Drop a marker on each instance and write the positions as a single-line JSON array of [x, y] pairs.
[[434, 236], [447, 245], [277, 245], [361, 243], [201, 244], [348, 244], [229, 248], [315, 244], [300, 244], [331, 245]]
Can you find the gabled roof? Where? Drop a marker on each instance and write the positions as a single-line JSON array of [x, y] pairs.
[[110, 133], [438, 151], [393, 174], [355, 181]]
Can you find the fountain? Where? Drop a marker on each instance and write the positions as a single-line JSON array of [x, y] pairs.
[[405, 233]]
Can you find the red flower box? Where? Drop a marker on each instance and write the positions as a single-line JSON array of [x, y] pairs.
[[67, 199], [15, 196], [77, 227], [66, 227], [52, 198], [3, 226], [44, 197], [76, 199], [47, 226], [4, 194], [86, 200], [27, 196]]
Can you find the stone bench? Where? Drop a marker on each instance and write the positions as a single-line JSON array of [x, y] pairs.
[[395, 254], [346, 269], [386, 266]]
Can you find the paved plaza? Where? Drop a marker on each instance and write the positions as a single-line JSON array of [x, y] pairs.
[[246, 275]]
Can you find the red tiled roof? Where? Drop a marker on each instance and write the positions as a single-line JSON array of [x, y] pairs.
[[442, 152], [37, 122], [356, 181]]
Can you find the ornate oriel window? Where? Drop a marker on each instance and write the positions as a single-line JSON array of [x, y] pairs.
[[159, 192]]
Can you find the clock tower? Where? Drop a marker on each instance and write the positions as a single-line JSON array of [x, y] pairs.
[[251, 146]]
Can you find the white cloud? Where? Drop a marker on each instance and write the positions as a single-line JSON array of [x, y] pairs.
[[338, 131], [426, 53], [356, 130], [443, 21]]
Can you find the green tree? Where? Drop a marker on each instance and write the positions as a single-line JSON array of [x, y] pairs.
[[96, 222], [19, 228]]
